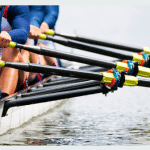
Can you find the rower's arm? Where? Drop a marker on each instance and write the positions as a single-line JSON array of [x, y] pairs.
[[18, 17], [36, 15], [51, 15]]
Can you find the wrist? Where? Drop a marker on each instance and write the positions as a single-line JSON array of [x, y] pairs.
[[44, 27]]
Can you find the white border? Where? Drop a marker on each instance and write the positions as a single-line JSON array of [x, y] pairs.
[[75, 2]]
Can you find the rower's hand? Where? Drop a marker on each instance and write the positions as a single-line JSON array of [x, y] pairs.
[[5, 39], [34, 32], [44, 27]]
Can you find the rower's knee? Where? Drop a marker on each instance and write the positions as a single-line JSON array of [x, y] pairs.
[[11, 54], [24, 53]]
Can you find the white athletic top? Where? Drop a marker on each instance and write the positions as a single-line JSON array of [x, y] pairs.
[[5, 26]]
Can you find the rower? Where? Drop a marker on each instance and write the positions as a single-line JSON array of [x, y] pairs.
[[41, 19], [17, 22]]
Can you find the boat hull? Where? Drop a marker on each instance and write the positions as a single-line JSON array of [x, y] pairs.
[[17, 116]]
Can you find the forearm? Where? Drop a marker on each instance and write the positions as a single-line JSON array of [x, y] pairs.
[[36, 15], [51, 15], [19, 35]]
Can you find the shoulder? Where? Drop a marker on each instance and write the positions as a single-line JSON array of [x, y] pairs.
[[16, 10], [36, 8], [49, 7]]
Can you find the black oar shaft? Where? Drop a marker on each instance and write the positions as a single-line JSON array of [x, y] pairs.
[[67, 56], [30, 67], [144, 83], [90, 48], [72, 80], [101, 43], [67, 80], [51, 97], [60, 88]]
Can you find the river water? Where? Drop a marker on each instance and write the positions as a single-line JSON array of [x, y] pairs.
[[120, 118]]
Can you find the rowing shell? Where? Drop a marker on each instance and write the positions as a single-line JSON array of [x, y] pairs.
[[17, 116]]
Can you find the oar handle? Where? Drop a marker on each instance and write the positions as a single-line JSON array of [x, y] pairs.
[[12, 44], [50, 32], [42, 36], [2, 63]]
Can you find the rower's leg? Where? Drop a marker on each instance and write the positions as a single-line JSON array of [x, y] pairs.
[[23, 75], [48, 60], [9, 76], [40, 59], [33, 59], [36, 59]]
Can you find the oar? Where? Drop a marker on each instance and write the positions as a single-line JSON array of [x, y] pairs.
[[65, 84], [103, 77], [62, 87], [60, 95], [101, 43], [82, 46], [67, 80], [52, 97], [93, 49], [142, 71]]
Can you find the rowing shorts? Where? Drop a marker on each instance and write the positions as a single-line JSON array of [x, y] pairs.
[[50, 45], [5, 26]]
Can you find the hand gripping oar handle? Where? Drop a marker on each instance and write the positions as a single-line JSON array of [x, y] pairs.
[[102, 77], [101, 43], [142, 71]]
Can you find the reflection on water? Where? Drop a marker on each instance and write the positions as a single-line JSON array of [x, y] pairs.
[[117, 119]]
